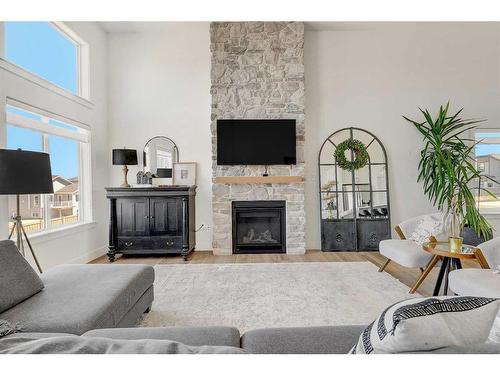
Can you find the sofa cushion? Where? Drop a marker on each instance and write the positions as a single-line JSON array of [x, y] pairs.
[[405, 252], [78, 298], [484, 348], [72, 344], [423, 324], [195, 336], [18, 280], [301, 340]]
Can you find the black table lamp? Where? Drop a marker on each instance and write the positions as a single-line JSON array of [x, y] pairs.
[[123, 156], [24, 172]]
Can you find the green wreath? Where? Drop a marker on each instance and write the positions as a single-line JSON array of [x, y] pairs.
[[360, 154]]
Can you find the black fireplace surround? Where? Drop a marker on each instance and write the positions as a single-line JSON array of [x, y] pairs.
[[259, 227]]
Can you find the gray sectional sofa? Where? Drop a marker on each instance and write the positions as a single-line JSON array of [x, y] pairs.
[[303, 340], [105, 301]]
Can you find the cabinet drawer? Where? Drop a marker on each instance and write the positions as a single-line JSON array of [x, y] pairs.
[[167, 242], [131, 243], [150, 243]]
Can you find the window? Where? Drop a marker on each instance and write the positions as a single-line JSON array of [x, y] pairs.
[[488, 162], [68, 147], [45, 50]]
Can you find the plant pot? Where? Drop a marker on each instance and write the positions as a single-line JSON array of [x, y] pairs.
[[455, 244], [471, 238]]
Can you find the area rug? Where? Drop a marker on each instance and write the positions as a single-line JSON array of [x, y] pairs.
[[259, 295]]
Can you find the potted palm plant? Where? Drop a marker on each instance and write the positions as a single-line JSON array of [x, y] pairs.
[[449, 174]]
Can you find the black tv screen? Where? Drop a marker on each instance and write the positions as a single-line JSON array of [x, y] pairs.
[[256, 142]]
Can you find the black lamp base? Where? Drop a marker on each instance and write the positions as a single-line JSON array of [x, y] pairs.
[[20, 232]]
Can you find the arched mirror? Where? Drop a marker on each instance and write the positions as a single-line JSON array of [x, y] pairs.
[[354, 191], [159, 152]]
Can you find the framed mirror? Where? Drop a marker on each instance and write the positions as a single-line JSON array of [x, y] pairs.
[[354, 202], [159, 152]]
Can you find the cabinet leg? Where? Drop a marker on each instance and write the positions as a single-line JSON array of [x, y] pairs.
[[111, 256]]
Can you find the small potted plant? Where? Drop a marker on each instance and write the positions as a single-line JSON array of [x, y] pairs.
[[448, 172], [330, 198]]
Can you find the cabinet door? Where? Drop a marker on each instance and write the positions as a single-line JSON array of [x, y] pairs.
[[132, 216], [338, 235], [371, 232], [165, 216]]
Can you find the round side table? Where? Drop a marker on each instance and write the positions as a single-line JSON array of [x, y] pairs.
[[449, 260]]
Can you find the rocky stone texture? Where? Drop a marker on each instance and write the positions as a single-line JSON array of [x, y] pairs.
[[258, 72]]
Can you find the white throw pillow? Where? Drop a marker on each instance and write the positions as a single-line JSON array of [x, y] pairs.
[[426, 228], [423, 324]]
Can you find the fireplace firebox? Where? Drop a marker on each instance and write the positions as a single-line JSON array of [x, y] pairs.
[[259, 227]]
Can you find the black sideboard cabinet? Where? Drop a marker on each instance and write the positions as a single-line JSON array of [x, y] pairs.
[[151, 220]]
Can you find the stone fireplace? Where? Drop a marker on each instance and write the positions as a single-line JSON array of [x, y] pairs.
[[258, 73]]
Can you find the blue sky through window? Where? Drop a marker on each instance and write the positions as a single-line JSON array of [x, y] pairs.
[[63, 152], [25, 139], [63, 156], [40, 48], [487, 148]]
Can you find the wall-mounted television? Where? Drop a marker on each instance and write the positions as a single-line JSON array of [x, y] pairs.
[[256, 142]]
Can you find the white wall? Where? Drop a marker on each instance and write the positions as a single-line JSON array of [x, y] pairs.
[[159, 84], [368, 75], [88, 242]]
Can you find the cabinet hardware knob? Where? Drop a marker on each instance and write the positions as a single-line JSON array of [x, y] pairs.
[[128, 244]]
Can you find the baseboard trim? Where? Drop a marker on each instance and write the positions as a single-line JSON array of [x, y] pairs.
[[85, 258]]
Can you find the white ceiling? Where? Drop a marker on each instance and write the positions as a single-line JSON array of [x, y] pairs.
[[132, 26], [141, 26]]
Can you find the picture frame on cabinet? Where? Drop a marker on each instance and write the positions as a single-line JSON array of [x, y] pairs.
[[184, 173]]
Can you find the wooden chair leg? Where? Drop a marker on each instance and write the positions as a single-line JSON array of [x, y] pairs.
[[481, 259], [424, 274], [381, 269]]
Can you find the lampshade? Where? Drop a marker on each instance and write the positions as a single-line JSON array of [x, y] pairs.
[[124, 156], [25, 172], [164, 172]]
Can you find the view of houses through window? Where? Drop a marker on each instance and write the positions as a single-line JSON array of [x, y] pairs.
[[62, 142], [488, 162]]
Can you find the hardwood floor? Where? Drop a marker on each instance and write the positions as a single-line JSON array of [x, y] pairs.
[[405, 275]]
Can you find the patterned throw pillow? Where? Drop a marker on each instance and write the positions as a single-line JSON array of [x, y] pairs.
[[423, 324], [426, 228]]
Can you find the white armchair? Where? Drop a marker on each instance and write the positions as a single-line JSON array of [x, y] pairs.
[[408, 251], [479, 282]]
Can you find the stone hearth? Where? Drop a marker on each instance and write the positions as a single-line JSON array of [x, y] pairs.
[[257, 73]]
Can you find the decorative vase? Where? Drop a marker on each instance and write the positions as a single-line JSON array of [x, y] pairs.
[[455, 244]]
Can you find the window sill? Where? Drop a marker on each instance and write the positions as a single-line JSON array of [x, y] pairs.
[[23, 73], [491, 215], [52, 234]]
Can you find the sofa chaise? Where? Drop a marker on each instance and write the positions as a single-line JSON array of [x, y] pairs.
[[72, 298]]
